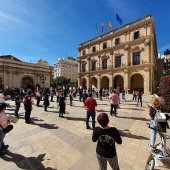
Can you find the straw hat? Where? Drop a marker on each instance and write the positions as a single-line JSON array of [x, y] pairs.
[[155, 102]]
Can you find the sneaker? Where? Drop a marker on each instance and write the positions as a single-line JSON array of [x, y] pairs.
[[88, 127], [149, 144]]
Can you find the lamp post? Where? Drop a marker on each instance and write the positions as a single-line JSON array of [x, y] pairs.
[[42, 80]]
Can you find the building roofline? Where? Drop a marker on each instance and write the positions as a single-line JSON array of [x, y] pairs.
[[146, 17]]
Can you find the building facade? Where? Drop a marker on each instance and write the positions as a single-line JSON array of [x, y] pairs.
[[17, 74], [66, 67], [125, 57]]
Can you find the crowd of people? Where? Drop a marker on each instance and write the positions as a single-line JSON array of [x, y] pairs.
[[105, 135]]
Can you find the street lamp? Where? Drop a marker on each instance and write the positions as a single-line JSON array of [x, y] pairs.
[[42, 80]]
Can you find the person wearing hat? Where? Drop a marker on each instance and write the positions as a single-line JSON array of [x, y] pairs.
[[4, 123], [155, 105]]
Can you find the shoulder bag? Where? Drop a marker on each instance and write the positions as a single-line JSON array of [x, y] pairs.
[[7, 129]]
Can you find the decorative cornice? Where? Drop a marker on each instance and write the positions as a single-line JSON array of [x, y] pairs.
[[126, 47], [105, 57], [147, 41], [84, 62]]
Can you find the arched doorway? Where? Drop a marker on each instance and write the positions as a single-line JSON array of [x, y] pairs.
[[105, 82], [118, 81], [137, 82], [27, 82], [94, 83], [84, 83]]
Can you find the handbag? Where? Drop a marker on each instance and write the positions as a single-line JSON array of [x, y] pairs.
[[160, 117], [7, 129]]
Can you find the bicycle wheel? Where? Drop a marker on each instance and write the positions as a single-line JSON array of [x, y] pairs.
[[150, 163]]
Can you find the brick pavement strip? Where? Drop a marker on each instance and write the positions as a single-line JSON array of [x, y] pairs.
[[55, 143]]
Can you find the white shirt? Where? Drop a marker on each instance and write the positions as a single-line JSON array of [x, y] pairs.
[[2, 100]]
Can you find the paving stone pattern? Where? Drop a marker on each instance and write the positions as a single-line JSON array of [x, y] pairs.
[[55, 143]]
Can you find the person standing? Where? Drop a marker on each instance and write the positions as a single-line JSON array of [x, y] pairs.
[[114, 101], [80, 94], [17, 104], [46, 101], [62, 105], [100, 94], [85, 96], [155, 105], [90, 104], [106, 137], [123, 94], [28, 109], [139, 97], [134, 95], [52, 94], [38, 96], [71, 98]]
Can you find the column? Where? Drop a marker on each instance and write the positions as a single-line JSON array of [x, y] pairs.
[[98, 81], [88, 81], [125, 58], [88, 64], [126, 80]]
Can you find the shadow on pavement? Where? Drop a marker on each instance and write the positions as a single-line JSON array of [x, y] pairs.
[[129, 135], [102, 110], [75, 118], [131, 108], [45, 125], [134, 118], [23, 162]]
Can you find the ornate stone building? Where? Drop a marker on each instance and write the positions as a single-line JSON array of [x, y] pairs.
[[126, 56], [15, 74]]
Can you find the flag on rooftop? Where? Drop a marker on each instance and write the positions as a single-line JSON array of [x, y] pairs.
[[110, 24], [119, 19], [102, 27]]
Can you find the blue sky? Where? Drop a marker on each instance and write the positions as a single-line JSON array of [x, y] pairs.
[[49, 29]]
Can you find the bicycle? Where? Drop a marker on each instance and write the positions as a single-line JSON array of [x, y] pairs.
[[159, 153]]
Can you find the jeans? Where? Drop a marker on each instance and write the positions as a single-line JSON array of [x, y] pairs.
[[92, 114], [71, 101], [123, 96], [153, 132], [17, 110], [139, 98], [2, 135], [111, 109]]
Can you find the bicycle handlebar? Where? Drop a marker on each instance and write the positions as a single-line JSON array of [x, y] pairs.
[[158, 131]]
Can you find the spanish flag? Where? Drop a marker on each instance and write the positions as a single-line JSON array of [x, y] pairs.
[[110, 25]]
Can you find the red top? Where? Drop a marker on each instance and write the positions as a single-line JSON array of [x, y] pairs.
[[90, 104]]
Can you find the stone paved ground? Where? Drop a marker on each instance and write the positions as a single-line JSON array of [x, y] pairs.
[[55, 143]]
